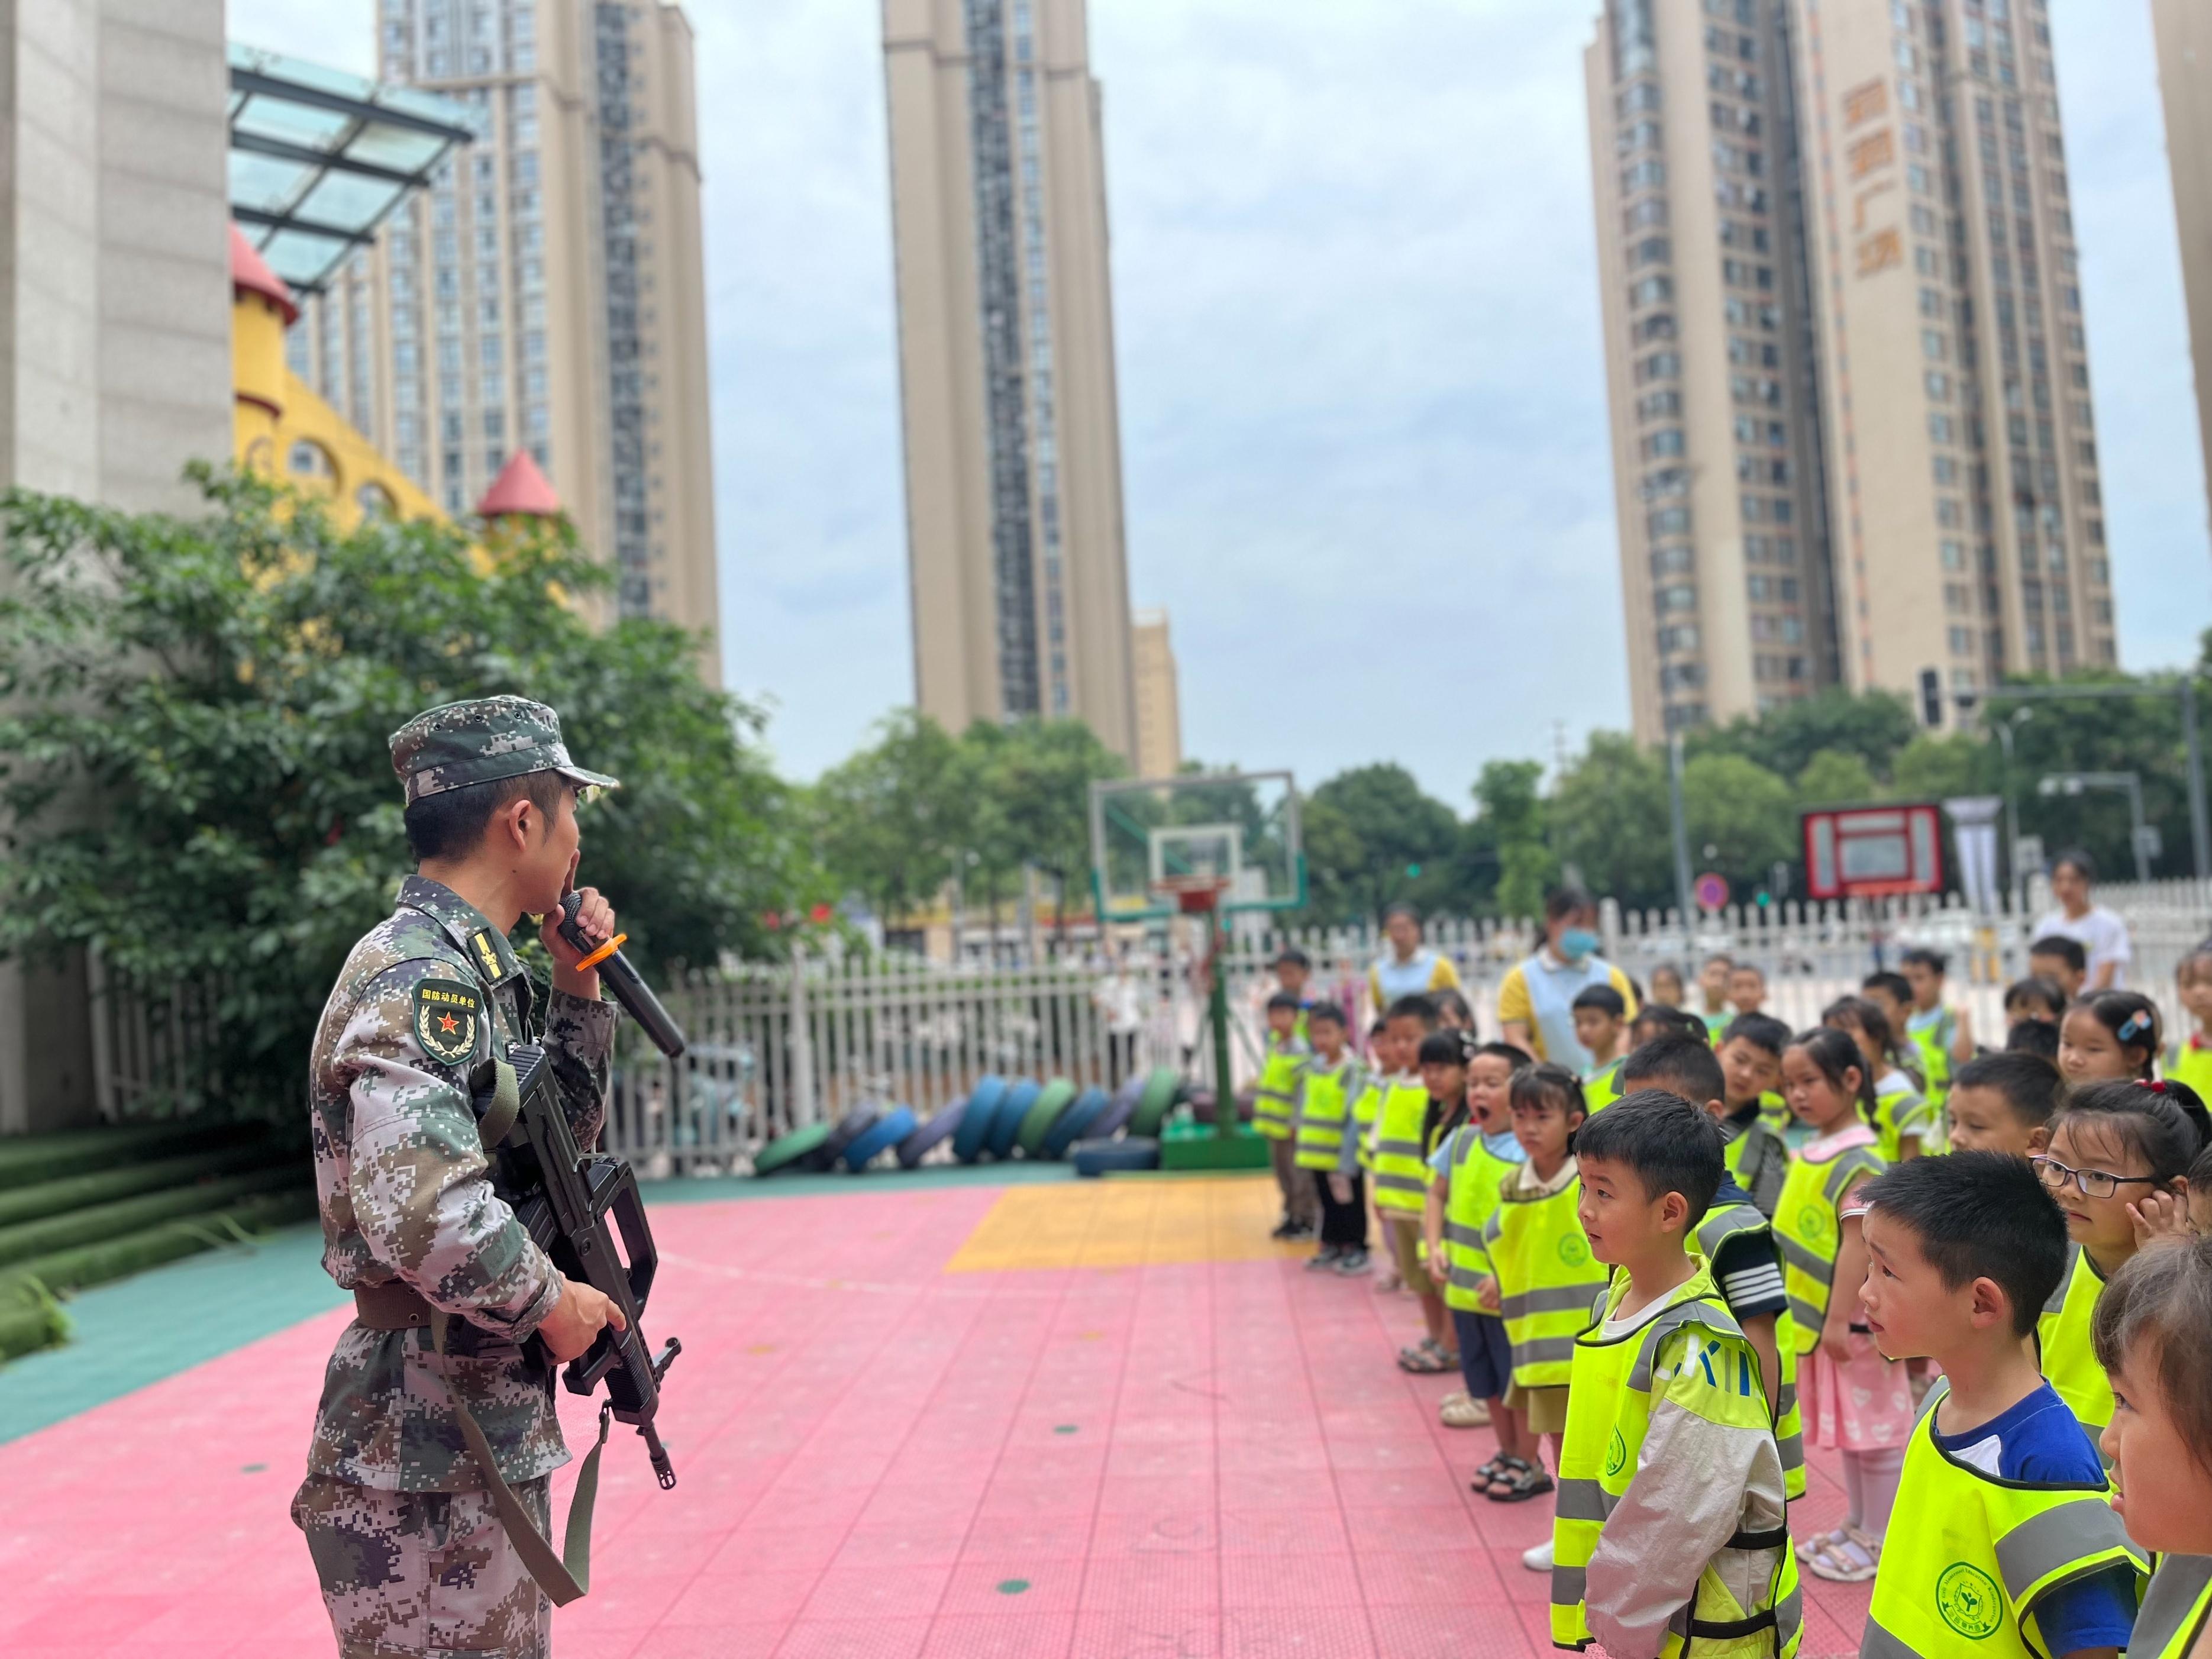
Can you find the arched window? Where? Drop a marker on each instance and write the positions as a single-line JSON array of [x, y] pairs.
[[375, 501], [311, 466]]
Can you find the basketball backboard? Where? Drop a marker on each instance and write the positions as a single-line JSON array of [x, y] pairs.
[[1153, 840]]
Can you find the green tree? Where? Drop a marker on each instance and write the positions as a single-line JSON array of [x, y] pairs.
[[1037, 777], [893, 821], [1873, 726], [1940, 769], [1609, 819], [1836, 777], [193, 762], [1372, 838], [1745, 814], [1508, 796]]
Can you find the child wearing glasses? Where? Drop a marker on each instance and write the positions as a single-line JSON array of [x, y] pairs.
[[2115, 1145]]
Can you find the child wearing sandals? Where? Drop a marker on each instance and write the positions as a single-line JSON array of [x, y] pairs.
[[1851, 1398], [1543, 1279], [1469, 1166], [2153, 1336]]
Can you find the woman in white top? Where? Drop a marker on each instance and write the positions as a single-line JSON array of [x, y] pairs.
[[2100, 932]]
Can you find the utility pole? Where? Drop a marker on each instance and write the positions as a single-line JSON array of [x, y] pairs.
[[1683, 894]]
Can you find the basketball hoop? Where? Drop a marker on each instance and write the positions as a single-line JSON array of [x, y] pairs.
[[1195, 896]]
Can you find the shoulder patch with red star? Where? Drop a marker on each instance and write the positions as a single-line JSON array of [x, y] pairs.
[[446, 1013]]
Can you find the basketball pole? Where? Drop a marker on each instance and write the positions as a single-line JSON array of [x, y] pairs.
[[1224, 1095]]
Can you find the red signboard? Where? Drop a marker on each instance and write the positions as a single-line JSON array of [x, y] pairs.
[[1874, 852]]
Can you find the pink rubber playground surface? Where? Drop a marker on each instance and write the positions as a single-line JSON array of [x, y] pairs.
[[881, 1459]]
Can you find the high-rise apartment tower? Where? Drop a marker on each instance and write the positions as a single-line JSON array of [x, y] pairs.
[[1709, 357], [1850, 382], [548, 291], [2183, 29], [1013, 462], [1159, 702]]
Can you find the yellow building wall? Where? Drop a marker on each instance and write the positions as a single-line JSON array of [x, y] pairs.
[[290, 435]]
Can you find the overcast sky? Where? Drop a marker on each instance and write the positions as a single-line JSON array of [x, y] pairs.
[[1362, 397]]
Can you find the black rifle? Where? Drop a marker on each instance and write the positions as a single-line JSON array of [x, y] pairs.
[[566, 1201]]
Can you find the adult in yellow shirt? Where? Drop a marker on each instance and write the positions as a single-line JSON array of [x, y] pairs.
[[1409, 968], [1536, 1000]]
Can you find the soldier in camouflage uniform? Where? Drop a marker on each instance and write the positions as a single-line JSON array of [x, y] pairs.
[[412, 1555]]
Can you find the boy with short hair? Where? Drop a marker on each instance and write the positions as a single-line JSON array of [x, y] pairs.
[[1273, 1104], [2003, 1539], [1600, 1017], [1670, 1530], [1656, 1019], [2004, 1103], [1326, 1142], [1293, 971], [2190, 1059], [1944, 1035], [1891, 993], [1735, 1238], [1750, 1054], [1713, 994], [1401, 1148], [2061, 960], [1748, 987]]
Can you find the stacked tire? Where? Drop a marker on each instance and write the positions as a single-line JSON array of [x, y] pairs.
[[1001, 1121]]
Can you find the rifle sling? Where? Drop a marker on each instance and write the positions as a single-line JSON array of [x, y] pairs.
[[397, 1306]]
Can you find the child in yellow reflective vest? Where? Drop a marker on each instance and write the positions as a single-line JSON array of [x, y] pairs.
[[1944, 1035], [2114, 1147], [2189, 1059], [1327, 1142], [1600, 1017], [1852, 1399], [1755, 1126], [1272, 1104], [1399, 1140], [1543, 1277], [1901, 1118], [2005, 1543], [1668, 1536], [2154, 1335], [1467, 1168]]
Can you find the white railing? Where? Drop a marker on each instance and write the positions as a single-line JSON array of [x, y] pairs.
[[776, 1047]]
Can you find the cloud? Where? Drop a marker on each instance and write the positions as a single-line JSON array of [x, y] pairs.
[[1362, 396]]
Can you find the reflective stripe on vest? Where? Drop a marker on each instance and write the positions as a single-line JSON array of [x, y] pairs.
[[1968, 1558], [1401, 1169], [2175, 1609], [2070, 1358], [1277, 1090], [1476, 1174], [1808, 1232], [1608, 1419], [1321, 1112], [1896, 1114], [1366, 1106], [1714, 1230], [1747, 1156], [1546, 1281]]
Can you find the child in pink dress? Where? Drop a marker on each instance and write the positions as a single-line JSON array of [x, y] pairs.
[[1853, 1399]]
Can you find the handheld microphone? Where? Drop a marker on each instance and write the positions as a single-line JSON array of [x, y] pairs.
[[636, 996]]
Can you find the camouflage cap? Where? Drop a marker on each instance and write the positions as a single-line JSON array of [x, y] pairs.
[[483, 741]]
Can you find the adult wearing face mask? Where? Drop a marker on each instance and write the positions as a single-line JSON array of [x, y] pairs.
[[1535, 1001]]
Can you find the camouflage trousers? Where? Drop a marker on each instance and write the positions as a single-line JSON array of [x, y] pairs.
[[421, 1575]]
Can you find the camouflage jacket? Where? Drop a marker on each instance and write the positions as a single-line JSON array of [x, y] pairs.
[[405, 1194]]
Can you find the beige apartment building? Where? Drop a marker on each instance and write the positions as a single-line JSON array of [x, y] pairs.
[[548, 293], [1159, 706], [1918, 369], [2183, 30], [1012, 434], [1714, 403]]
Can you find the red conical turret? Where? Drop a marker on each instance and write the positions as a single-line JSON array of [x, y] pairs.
[[520, 491], [250, 274]]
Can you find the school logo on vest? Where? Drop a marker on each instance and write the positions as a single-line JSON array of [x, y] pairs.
[[1574, 1249], [1616, 1454], [1812, 1222], [1969, 1600]]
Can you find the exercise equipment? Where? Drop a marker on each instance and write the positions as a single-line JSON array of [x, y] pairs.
[[931, 1134], [1044, 1111], [1098, 1157], [886, 1132], [968, 1142], [1153, 1102], [1014, 1106], [786, 1151], [1075, 1122]]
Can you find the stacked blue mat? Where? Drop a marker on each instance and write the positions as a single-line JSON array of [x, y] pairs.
[[999, 1119]]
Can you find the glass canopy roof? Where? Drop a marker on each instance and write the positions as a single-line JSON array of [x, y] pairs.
[[318, 157]]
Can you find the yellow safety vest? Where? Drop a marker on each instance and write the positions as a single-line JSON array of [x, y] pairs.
[[1968, 1557], [1899, 1113], [1808, 1233], [1747, 1156], [1609, 1414], [1601, 1089], [1323, 1105], [1548, 1280], [2187, 1063], [1366, 1106], [2175, 1609], [1278, 1090], [1470, 1199], [1716, 1229], [1401, 1167], [1934, 1042], [2069, 1356], [1775, 1114]]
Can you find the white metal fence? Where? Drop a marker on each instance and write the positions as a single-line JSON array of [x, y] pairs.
[[776, 1047]]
